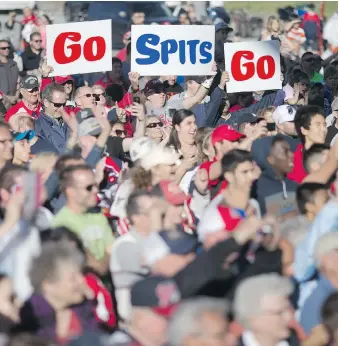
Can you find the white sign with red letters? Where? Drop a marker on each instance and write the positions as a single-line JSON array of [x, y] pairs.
[[253, 66], [180, 50], [83, 47]]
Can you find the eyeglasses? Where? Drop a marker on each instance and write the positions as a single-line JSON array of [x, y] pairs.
[[58, 105], [88, 95], [120, 132], [153, 125], [37, 41], [5, 48], [33, 90]]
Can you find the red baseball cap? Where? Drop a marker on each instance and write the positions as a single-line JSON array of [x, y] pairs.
[[62, 79], [172, 193], [227, 133]]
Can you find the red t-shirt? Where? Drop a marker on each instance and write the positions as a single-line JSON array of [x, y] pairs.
[[298, 174], [122, 54], [20, 107], [230, 216], [74, 329]]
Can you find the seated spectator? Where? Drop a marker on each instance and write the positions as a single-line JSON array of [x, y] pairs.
[[29, 89]]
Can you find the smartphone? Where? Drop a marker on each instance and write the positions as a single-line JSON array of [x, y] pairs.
[[271, 127], [136, 99]]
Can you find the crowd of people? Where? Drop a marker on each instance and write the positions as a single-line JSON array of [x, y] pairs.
[[163, 210]]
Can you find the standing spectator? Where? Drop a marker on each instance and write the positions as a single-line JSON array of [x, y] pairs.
[[79, 186], [138, 17], [43, 21], [295, 34], [29, 89], [311, 25], [262, 307], [122, 54], [9, 73], [308, 65], [31, 57], [50, 125], [12, 29], [273, 28], [221, 32]]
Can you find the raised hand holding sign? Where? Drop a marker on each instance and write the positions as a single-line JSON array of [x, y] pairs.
[[83, 47]]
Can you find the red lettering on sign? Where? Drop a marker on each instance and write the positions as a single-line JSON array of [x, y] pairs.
[[250, 67], [59, 48], [261, 67], [236, 66], [88, 48]]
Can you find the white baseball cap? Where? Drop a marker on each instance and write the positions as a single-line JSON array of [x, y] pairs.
[[158, 156], [140, 147], [284, 114]]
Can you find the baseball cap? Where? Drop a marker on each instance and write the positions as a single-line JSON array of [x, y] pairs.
[[19, 136], [222, 26], [88, 124], [225, 132], [29, 82], [158, 156], [283, 114], [154, 86], [159, 294], [62, 79], [158, 245], [140, 147], [172, 192]]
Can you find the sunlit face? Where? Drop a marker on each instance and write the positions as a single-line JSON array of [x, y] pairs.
[[243, 176], [68, 86], [4, 49], [22, 150], [275, 26], [153, 129], [317, 130], [6, 144], [157, 100], [99, 93], [163, 172], [36, 41], [31, 96], [55, 106], [85, 98], [67, 286], [138, 18], [187, 130]]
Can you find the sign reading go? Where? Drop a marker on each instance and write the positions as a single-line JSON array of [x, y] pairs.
[[83, 47], [253, 66]]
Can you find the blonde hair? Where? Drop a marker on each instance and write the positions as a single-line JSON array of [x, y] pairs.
[[270, 20], [41, 161]]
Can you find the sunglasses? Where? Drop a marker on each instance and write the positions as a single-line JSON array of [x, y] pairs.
[[5, 48], [33, 90], [58, 105], [88, 95], [37, 41], [98, 95], [69, 82], [120, 132], [89, 188], [154, 125]]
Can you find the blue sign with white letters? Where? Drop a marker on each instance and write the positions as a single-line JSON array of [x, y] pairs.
[[172, 50]]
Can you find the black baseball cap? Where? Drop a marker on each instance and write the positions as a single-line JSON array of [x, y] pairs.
[[154, 86], [29, 82]]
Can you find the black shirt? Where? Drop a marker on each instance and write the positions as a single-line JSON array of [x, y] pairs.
[[114, 147], [331, 132]]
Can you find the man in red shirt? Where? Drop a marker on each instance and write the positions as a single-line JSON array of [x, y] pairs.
[[233, 205], [224, 138], [311, 128], [29, 89]]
